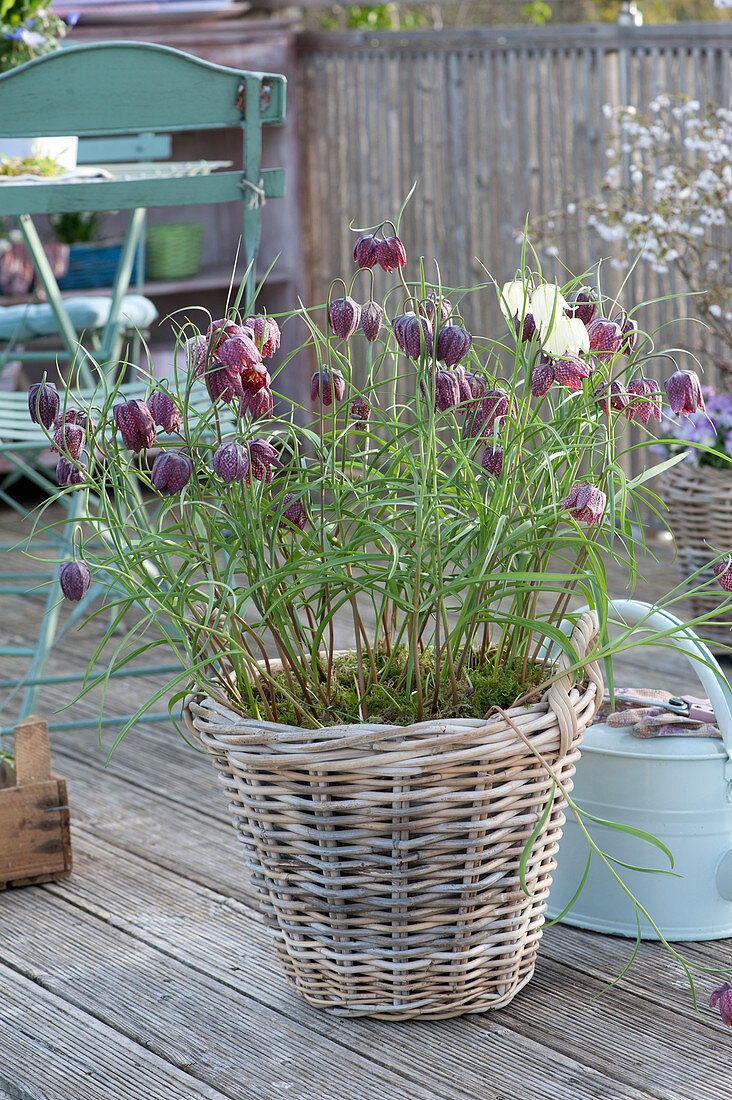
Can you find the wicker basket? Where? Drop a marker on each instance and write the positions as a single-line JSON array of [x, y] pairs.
[[174, 251], [387, 859], [93, 264], [700, 517]]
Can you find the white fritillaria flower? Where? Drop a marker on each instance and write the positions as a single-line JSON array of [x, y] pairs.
[[560, 335], [547, 305], [514, 299]]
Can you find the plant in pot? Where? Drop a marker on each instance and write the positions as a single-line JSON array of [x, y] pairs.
[[93, 261], [451, 500], [29, 29]]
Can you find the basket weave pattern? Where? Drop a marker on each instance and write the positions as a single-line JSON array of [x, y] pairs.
[[387, 858], [700, 516]]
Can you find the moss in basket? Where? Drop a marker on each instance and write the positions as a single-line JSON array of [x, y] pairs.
[[484, 687]]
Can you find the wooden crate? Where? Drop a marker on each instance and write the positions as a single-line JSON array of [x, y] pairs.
[[35, 839]]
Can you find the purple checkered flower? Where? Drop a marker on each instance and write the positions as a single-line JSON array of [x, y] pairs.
[[619, 398], [171, 472], [74, 578], [196, 349], [413, 334], [262, 457], [371, 317], [266, 334], [435, 308], [43, 404], [645, 399], [390, 254], [327, 384], [583, 304], [135, 423], [69, 473], [258, 403], [365, 251], [360, 408], [453, 344], [69, 440], [629, 330], [684, 392], [231, 462], [585, 502], [605, 338], [723, 572], [494, 405], [492, 461], [570, 371], [722, 996], [294, 511], [165, 412], [344, 315]]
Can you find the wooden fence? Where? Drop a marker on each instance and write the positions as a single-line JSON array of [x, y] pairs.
[[494, 124]]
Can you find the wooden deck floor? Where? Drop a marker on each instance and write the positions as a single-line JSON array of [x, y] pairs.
[[148, 973]]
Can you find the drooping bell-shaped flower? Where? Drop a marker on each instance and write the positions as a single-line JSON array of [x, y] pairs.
[[492, 461], [645, 399], [266, 334], [453, 344], [435, 308], [684, 392], [344, 315], [493, 405], [564, 336], [371, 317], [241, 353], [294, 511], [361, 408], [723, 573], [583, 305], [605, 338], [165, 412], [262, 457], [231, 462], [196, 350], [619, 397], [69, 440], [413, 334], [74, 578], [259, 403], [43, 404], [570, 372], [223, 383], [327, 384], [548, 304], [629, 333], [221, 330], [447, 390], [135, 423], [171, 472], [722, 996], [69, 473], [390, 254], [365, 251], [514, 300], [542, 377], [585, 502], [472, 386], [83, 419]]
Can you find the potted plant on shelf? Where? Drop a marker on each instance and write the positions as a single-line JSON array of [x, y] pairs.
[[452, 499], [93, 261], [29, 29]]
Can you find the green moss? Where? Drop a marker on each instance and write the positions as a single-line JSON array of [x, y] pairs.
[[391, 701]]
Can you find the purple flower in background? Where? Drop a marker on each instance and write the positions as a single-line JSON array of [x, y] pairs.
[[73, 18], [722, 996], [70, 439], [344, 315], [43, 403], [295, 511]]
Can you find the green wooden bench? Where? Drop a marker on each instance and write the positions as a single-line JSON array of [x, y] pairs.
[[132, 96]]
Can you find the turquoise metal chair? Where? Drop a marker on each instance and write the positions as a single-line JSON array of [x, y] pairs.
[[131, 93]]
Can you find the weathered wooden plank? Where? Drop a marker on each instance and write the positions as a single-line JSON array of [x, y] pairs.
[[51, 1050]]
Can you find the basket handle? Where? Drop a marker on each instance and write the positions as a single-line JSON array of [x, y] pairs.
[[685, 639], [584, 635]]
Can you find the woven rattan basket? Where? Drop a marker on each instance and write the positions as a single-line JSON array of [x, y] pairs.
[[700, 516], [387, 859]]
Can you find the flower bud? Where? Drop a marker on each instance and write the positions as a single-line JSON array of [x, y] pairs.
[[492, 461], [453, 344], [410, 331], [585, 502], [723, 573], [326, 384], [447, 390], [684, 392], [365, 251], [295, 511], [360, 408], [171, 472], [165, 412], [527, 329], [196, 349], [371, 318], [343, 317], [605, 338], [266, 334], [135, 423], [70, 440], [645, 399], [494, 405], [231, 462], [68, 473], [74, 578], [43, 403], [390, 254], [583, 305], [262, 457], [542, 377]]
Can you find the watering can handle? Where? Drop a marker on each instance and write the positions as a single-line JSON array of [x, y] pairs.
[[711, 675]]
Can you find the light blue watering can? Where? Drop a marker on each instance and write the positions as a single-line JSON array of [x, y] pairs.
[[677, 788]]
